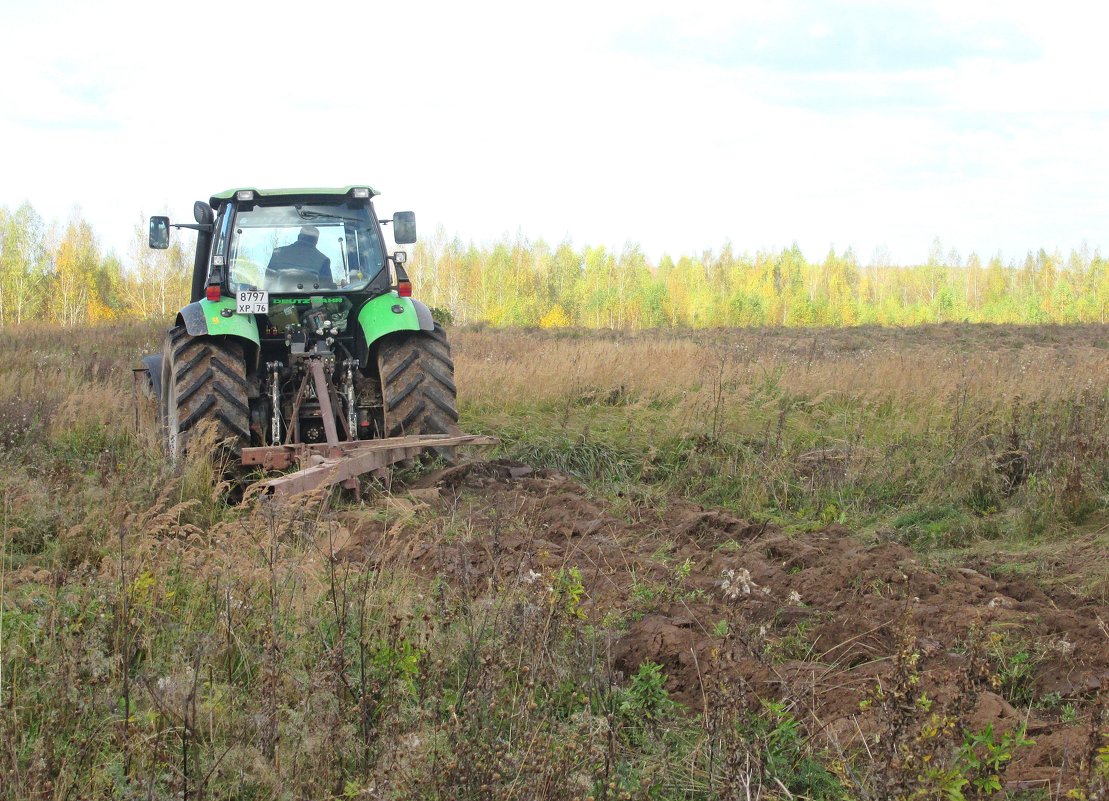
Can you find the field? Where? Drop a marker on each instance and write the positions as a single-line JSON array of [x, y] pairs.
[[768, 563]]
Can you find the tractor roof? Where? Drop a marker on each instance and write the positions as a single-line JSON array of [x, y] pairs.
[[337, 191]]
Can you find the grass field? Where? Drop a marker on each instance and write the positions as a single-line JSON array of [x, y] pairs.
[[857, 563], [938, 437]]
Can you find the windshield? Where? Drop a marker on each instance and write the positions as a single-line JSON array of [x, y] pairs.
[[304, 247]]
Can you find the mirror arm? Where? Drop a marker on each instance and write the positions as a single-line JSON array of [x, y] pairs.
[[207, 227]]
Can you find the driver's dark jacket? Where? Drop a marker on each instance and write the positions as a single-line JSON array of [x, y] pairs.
[[302, 256]]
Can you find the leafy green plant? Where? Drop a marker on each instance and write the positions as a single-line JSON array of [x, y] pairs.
[[790, 758], [977, 767], [645, 697], [1015, 667], [442, 315], [794, 644], [567, 592], [400, 662], [682, 571], [1049, 701], [645, 593], [984, 757]]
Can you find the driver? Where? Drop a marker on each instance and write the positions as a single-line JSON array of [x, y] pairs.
[[303, 255]]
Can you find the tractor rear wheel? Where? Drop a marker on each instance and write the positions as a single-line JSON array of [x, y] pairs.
[[204, 382], [417, 385]]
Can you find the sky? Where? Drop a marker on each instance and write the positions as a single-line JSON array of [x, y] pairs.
[[679, 127]]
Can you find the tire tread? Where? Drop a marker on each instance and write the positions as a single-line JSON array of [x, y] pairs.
[[211, 375], [418, 389]]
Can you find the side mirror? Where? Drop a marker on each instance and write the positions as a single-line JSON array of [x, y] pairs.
[[404, 227], [159, 233]]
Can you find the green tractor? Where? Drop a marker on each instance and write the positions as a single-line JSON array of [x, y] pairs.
[[302, 336]]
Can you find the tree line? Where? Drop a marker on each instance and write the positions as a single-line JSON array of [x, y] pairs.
[[526, 283], [58, 273]]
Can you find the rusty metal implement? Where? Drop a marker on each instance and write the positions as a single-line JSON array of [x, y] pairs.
[[342, 462]]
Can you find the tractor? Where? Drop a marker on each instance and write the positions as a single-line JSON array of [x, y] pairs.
[[302, 341]]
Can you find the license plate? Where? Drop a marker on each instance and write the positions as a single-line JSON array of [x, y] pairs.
[[253, 301]]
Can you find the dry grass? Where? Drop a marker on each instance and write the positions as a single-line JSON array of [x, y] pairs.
[[938, 436], [913, 365], [158, 644]]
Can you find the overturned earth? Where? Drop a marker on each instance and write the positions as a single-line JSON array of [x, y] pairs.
[[826, 618]]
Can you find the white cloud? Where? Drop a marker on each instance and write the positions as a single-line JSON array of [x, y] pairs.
[[488, 118]]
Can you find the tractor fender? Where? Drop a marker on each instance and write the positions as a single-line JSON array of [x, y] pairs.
[[427, 322], [207, 318], [218, 318], [153, 365], [389, 313], [192, 317]]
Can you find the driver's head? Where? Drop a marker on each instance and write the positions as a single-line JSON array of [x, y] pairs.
[[309, 235]]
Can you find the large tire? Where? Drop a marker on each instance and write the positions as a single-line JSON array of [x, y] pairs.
[[204, 381], [417, 385]]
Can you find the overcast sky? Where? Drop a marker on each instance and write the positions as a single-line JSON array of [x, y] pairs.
[[863, 124]]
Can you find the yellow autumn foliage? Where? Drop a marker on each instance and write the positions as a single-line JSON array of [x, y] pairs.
[[556, 318]]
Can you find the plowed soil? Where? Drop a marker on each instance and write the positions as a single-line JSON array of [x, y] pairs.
[[813, 616]]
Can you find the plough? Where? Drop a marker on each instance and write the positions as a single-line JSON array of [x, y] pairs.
[[334, 461], [342, 462]]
